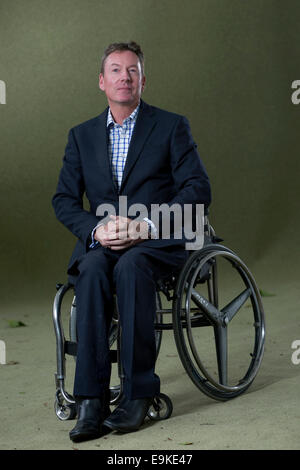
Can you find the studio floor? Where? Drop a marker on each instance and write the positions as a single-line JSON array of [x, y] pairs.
[[266, 416]]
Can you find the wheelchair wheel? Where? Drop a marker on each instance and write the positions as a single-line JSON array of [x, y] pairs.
[[219, 322], [161, 408]]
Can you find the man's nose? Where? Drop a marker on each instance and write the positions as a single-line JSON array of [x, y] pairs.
[[125, 75]]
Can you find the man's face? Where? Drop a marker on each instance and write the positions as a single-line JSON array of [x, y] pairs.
[[122, 80]]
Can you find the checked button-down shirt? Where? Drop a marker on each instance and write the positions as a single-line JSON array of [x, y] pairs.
[[119, 137], [118, 143]]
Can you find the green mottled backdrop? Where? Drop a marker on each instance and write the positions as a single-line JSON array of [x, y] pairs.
[[228, 65]]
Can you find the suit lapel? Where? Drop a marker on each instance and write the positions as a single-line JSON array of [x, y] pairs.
[[142, 129]]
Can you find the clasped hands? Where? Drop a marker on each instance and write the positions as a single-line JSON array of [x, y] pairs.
[[120, 232]]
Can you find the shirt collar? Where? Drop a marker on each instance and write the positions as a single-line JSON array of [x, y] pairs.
[[132, 117]]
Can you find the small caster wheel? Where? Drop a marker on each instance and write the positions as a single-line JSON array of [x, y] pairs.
[[161, 408], [115, 394], [64, 411]]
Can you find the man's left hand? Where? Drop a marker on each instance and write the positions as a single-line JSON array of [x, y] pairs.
[[123, 233]]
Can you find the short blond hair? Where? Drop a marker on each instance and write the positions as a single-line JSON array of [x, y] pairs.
[[123, 46]]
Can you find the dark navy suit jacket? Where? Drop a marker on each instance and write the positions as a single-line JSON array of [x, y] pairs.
[[162, 166]]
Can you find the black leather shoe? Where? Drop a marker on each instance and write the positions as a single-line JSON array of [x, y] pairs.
[[129, 415], [91, 412]]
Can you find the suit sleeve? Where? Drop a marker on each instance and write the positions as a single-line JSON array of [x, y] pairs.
[[189, 175], [68, 199]]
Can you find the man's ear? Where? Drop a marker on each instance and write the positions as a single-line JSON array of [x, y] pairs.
[[101, 81], [143, 82]]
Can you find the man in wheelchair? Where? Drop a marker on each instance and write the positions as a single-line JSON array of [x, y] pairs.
[[148, 155]]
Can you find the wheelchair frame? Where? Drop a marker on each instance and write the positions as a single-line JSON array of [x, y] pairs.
[[190, 309]]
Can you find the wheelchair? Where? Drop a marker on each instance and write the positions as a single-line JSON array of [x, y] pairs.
[[217, 318]]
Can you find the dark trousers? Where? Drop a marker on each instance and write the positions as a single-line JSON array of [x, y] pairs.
[[132, 274]]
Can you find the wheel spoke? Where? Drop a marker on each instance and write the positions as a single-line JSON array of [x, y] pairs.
[[211, 311], [234, 306], [222, 353]]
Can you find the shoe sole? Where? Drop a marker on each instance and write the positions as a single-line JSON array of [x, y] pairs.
[[122, 430], [84, 437]]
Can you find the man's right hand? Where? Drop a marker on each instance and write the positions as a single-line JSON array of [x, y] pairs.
[[120, 233]]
